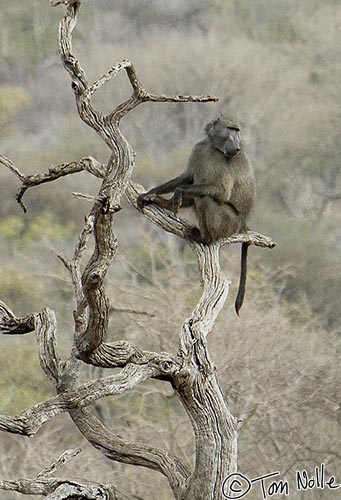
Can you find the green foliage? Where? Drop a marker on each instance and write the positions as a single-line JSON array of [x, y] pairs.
[[28, 33], [21, 372], [12, 100], [12, 227], [321, 73], [20, 289], [43, 228], [306, 253]]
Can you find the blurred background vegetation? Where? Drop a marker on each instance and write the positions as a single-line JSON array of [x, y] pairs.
[[276, 66]]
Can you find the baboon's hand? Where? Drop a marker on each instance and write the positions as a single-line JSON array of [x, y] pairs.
[[194, 234], [176, 200], [144, 199]]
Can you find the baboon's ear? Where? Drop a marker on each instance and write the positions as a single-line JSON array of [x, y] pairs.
[[210, 125]]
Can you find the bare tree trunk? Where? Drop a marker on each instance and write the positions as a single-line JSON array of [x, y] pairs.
[[190, 371]]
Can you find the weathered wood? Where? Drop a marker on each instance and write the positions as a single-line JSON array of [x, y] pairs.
[[11, 325], [58, 489], [65, 457], [88, 164], [115, 448]]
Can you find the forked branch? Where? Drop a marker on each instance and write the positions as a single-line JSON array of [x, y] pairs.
[[84, 92], [88, 164]]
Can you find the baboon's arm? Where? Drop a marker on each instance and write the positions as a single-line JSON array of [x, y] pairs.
[[169, 186], [217, 193]]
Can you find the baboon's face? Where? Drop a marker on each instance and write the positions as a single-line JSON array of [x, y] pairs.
[[225, 139]]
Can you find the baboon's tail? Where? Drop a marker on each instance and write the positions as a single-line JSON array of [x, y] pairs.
[[242, 280]]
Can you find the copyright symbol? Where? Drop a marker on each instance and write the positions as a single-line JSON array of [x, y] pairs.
[[236, 486]]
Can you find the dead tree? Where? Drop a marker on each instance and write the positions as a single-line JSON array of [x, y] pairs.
[[190, 370]]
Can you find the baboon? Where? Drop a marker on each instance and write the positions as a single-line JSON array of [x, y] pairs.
[[219, 184]]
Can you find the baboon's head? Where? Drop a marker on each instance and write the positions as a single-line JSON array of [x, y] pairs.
[[224, 136]]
